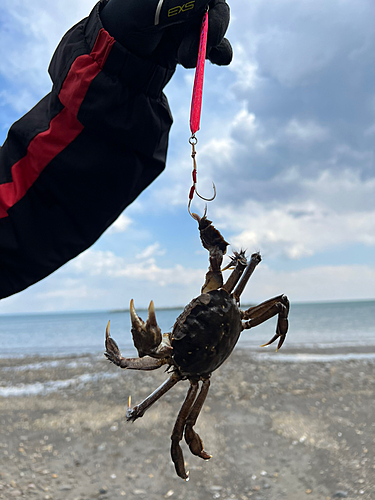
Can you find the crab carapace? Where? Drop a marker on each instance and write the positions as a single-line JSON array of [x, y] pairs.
[[202, 338]]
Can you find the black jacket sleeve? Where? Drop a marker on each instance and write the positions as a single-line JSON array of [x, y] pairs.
[[70, 166]]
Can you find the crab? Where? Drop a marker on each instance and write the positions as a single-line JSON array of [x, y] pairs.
[[202, 338]]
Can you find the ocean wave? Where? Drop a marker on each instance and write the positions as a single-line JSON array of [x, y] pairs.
[[43, 365], [313, 357], [44, 388]]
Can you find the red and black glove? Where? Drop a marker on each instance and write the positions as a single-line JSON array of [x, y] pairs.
[[168, 30]]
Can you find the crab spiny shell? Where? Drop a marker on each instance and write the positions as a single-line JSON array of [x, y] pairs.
[[205, 334]]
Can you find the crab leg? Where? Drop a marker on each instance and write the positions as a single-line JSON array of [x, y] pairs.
[[255, 311], [236, 274], [259, 314], [178, 430], [191, 437], [139, 410], [254, 261], [212, 241]]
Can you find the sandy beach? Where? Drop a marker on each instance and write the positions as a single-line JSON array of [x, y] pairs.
[[276, 430]]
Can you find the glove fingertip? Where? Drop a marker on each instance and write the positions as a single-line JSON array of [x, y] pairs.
[[222, 54], [218, 22]]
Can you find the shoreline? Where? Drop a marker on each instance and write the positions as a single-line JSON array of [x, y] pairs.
[[27, 375], [277, 430], [248, 347]]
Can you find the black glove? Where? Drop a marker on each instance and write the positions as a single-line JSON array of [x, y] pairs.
[[168, 30]]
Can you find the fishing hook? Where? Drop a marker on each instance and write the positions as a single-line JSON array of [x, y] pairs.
[[193, 141]]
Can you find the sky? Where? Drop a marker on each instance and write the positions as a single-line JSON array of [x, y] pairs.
[[287, 136]]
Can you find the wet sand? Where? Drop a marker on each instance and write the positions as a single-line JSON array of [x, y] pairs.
[[277, 430]]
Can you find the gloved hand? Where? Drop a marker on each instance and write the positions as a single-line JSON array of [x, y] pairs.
[[168, 30]]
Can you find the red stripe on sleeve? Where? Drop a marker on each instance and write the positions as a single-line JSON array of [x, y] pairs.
[[63, 129], [84, 69]]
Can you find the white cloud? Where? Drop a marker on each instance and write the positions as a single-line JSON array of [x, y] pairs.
[[96, 263], [244, 66], [20, 101], [312, 284], [181, 285], [307, 131], [370, 130], [346, 192], [293, 42], [107, 264], [295, 230], [72, 293], [120, 225], [151, 251]]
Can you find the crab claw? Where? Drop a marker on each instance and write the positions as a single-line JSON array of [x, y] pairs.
[[151, 322], [275, 337], [146, 335], [282, 324], [112, 353], [135, 319]]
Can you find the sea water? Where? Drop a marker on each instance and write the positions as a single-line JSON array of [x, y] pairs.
[[312, 326], [326, 332]]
